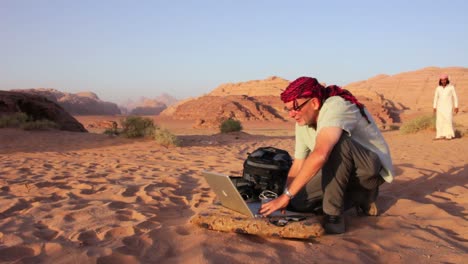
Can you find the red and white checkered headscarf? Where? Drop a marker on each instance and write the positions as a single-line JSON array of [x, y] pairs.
[[308, 87]]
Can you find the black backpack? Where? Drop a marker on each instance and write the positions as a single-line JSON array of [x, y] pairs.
[[265, 169]]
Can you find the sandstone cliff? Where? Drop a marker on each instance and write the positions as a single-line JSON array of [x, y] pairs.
[[414, 90], [253, 100], [271, 86]]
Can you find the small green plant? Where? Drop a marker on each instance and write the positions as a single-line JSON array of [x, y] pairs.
[[418, 124], [43, 124], [111, 132], [135, 126], [13, 120], [165, 138], [230, 125]]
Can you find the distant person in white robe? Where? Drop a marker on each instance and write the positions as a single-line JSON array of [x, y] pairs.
[[445, 104]]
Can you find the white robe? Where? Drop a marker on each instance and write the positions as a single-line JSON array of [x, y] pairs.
[[445, 99]]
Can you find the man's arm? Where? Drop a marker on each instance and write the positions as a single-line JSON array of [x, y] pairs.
[[325, 141], [455, 100], [294, 170]]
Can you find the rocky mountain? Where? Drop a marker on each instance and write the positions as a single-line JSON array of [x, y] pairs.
[[211, 110], [147, 106], [270, 86], [84, 103], [245, 101], [38, 107], [252, 100], [166, 99]]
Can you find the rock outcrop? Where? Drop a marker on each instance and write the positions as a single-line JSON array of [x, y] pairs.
[[271, 86], [253, 100], [38, 107], [211, 110], [83, 103]]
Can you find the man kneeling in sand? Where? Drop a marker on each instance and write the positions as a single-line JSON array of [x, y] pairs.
[[341, 158]]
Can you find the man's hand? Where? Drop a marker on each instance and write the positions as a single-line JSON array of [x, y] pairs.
[[279, 203]]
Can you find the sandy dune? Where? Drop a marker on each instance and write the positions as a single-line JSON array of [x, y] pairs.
[[89, 198]]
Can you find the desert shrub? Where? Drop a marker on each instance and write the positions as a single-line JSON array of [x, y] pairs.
[[111, 131], [230, 125], [393, 127], [165, 138], [135, 126], [43, 124], [13, 120], [418, 124]]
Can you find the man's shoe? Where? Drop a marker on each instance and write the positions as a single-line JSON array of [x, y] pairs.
[[334, 224], [368, 210]]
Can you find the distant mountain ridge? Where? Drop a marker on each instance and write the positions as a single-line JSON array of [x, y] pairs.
[[147, 106], [83, 103], [387, 97]]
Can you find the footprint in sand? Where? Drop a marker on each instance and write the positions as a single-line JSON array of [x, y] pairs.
[[119, 232], [93, 191], [88, 238], [46, 184], [15, 253], [69, 218], [48, 166], [44, 232], [124, 215], [183, 231], [148, 225], [57, 178], [135, 245], [119, 205], [117, 257], [19, 206]]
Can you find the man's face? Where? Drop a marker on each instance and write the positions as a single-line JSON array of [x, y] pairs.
[[443, 82], [304, 111]]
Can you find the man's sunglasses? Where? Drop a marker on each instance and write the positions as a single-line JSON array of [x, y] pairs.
[[296, 107]]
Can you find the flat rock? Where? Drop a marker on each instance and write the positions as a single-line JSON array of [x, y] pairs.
[[218, 218]]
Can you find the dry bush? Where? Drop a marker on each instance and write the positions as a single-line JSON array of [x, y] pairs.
[[13, 120], [165, 138], [135, 127], [418, 124], [230, 125]]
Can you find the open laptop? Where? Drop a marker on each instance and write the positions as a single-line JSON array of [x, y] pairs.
[[230, 198]]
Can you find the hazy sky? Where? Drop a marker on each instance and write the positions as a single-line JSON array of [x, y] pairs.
[[127, 49]]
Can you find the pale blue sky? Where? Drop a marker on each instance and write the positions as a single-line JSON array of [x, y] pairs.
[[128, 49]]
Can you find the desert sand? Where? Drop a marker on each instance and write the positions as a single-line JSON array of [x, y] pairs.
[[70, 197]]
